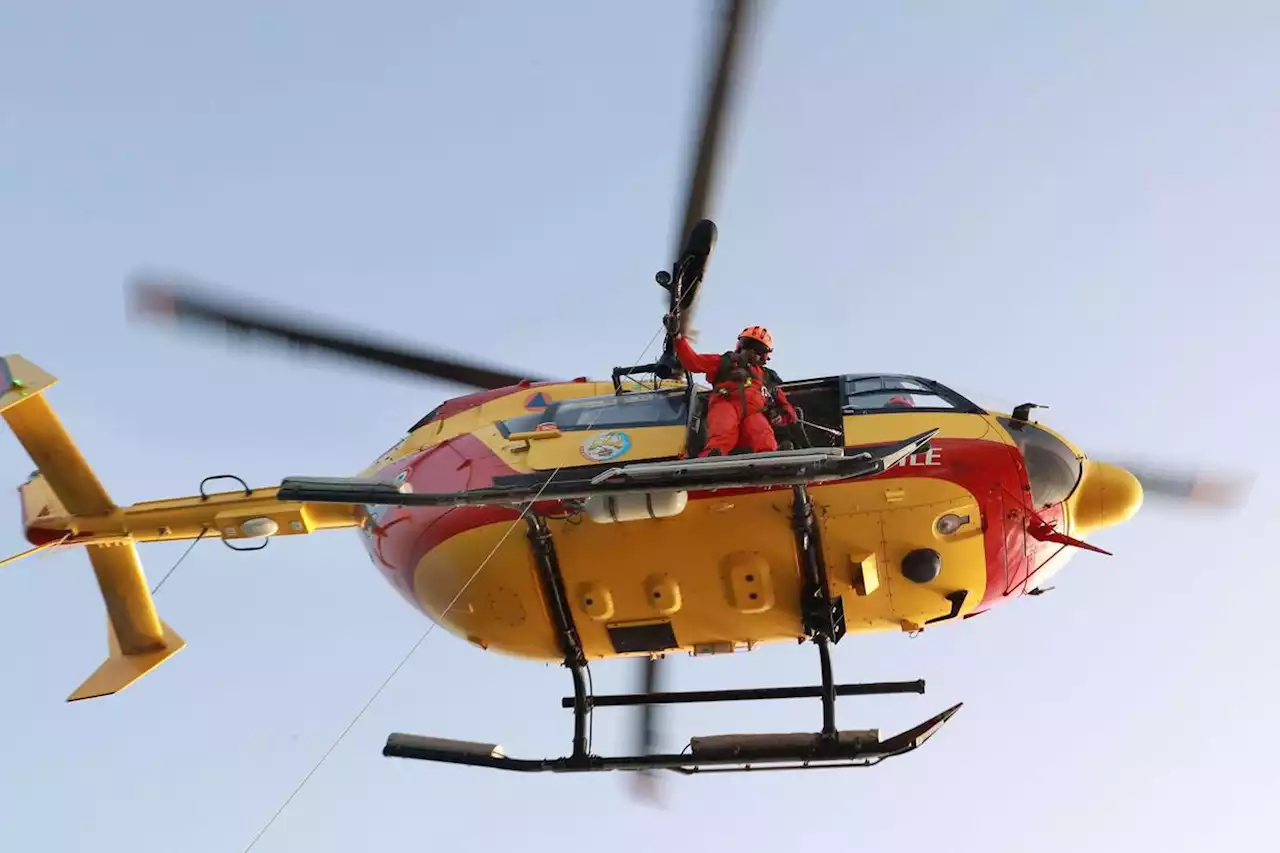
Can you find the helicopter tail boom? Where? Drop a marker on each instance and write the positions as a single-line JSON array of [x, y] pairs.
[[64, 503]]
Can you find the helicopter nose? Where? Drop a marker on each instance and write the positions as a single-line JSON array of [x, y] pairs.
[[1108, 495]]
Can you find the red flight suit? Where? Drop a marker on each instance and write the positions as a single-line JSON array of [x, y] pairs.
[[736, 411]]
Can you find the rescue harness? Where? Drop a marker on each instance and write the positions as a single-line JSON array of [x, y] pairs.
[[738, 368]]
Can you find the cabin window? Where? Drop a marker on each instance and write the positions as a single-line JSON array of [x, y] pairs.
[[615, 411], [890, 394], [1053, 470]]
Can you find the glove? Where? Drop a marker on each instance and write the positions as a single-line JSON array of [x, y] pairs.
[[672, 324]]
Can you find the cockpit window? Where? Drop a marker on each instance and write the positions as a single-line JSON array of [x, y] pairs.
[[1052, 468], [615, 411]]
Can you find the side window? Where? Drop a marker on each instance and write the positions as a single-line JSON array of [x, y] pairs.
[[624, 410], [888, 394], [888, 401], [868, 384], [614, 411]]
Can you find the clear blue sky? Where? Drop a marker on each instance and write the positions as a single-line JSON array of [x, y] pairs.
[[1074, 204]]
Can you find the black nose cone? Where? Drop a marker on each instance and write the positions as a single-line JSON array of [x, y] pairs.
[[922, 565]]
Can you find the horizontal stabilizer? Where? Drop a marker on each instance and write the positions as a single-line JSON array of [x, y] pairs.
[[20, 379], [38, 429], [137, 639], [59, 500]]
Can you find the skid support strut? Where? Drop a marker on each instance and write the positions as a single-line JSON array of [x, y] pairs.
[[544, 552], [823, 615]]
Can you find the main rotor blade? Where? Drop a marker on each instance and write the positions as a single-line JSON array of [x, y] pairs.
[[186, 303], [715, 107], [717, 97]]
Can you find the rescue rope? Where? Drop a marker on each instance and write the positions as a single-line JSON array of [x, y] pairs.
[[427, 633]]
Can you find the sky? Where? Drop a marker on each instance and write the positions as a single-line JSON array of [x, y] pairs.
[[1070, 203]]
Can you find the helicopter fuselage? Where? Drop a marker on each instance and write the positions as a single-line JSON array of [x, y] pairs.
[[944, 534]]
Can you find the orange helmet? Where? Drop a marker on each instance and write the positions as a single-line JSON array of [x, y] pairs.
[[757, 333]]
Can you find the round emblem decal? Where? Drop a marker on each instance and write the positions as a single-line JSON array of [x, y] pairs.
[[606, 446]]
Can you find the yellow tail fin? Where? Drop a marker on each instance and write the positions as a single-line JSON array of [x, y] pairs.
[[66, 488]]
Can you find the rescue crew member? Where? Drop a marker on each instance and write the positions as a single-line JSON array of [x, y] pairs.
[[746, 402]]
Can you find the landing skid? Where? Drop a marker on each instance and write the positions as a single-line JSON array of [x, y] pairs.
[[735, 753]]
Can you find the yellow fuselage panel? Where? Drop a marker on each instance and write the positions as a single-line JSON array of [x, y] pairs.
[[725, 571], [501, 606], [886, 519], [681, 569]]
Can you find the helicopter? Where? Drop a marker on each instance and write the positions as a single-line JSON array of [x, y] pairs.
[[904, 507]]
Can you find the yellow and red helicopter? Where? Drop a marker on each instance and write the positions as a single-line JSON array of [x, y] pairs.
[[905, 506]]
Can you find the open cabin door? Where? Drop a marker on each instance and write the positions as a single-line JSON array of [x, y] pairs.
[[628, 427], [818, 404]]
